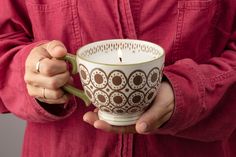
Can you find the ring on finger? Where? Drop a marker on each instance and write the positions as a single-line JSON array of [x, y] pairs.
[[38, 65]]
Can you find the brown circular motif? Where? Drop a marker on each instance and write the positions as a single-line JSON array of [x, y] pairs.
[[136, 98], [117, 80], [84, 74], [149, 97], [98, 78], [134, 109], [89, 93], [118, 110], [105, 109], [153, 77], [137, 79], [118, 99], [101, 98]]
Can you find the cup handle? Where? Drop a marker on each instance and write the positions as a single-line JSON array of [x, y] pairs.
[[71, 89]]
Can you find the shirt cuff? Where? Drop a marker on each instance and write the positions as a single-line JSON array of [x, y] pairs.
[[187, 84]]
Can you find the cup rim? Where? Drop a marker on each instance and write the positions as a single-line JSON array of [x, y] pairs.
[[125, 64]]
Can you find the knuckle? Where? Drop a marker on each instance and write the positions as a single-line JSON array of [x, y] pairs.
[[58, 94], [54, 43], [67, 76], [36, 49], [27, 79], [54, 84], [64, 64], [28, 64], [30, 93], [47, 70], [29, 90], [64, 78]]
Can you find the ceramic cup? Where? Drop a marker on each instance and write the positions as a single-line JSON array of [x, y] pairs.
[[121, 77]]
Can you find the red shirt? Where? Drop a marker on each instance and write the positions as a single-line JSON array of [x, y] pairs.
[[199, 37]]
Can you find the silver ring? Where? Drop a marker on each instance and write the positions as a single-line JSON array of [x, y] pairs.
[[38, 65]]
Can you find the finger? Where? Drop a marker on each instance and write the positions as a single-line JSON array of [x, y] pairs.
[[163, 105], [163, 120], [90, 117], [153, 118], [44, 92], [50, 67], [36, 55], [55, 48], [64, 99], [155, 127], [53, 82]]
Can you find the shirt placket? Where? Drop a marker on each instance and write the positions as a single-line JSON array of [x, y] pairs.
[[129, 24], [126, 145], [127, 20]]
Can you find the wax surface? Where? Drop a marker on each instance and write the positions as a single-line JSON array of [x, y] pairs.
[[127, 57]]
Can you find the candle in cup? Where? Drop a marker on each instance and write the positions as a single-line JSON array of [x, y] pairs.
[[120, 55]]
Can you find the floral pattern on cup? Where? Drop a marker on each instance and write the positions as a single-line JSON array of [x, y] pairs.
[[117, 93]]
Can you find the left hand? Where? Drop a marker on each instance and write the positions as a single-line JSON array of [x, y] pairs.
[[159, 113]]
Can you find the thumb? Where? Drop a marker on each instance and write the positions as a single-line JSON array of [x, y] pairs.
[[56, 49], [153, 118], [145, 123], [159, 112]]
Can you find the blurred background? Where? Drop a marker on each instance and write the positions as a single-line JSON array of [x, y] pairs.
[[11, 135]]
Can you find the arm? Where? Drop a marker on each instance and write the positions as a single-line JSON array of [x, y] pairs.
[[204, 96], [205, 92], [16, 43]]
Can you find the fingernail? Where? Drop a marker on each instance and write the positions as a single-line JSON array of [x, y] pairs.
[[143, 127], [85, 119], [95, 126], [58, 48]]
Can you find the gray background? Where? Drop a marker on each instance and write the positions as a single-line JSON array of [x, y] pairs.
[[11, 135]]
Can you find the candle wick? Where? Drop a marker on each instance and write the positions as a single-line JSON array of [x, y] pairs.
[[120, 59]]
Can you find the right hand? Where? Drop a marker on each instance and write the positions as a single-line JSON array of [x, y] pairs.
[[46, 84]]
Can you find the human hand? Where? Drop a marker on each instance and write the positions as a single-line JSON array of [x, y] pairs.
[[45, 75], [159, 113]]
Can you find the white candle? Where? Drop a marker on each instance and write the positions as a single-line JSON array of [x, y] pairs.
[[121, 57]]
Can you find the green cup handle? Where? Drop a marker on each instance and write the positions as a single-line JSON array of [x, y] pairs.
[[71, 89]]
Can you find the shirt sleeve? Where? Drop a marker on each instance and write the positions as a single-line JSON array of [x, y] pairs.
[[16, 42], [205, 101]]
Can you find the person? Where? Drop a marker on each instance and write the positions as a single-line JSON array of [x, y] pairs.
[[193, 114]]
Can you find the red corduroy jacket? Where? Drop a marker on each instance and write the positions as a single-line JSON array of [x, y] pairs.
[[199, 37]]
